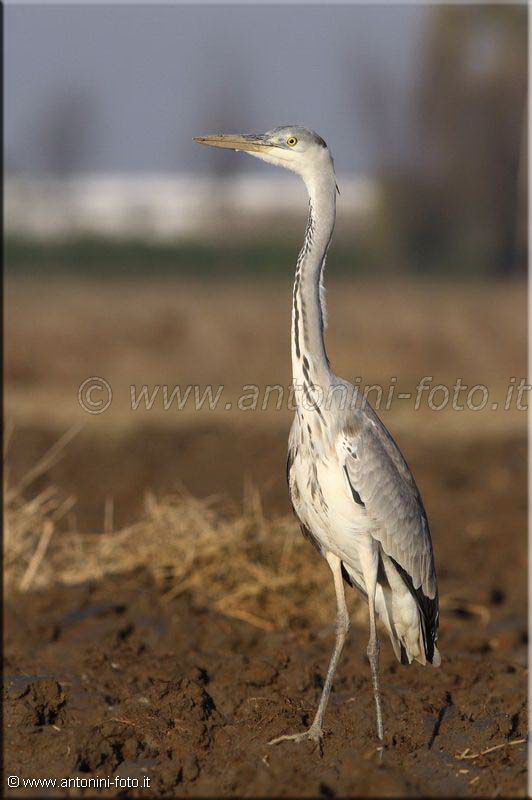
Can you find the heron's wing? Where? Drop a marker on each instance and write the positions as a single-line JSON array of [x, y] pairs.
[[380, 478]]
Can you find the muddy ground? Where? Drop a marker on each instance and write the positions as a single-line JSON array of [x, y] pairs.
[[106, 679]]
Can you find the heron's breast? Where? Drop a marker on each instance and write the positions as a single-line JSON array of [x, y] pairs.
[[322, 500]]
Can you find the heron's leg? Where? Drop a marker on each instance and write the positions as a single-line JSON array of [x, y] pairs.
[[315, 731], [370, 564]]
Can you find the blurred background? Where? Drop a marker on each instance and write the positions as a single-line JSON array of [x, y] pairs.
[[423, 108], [134, 255]]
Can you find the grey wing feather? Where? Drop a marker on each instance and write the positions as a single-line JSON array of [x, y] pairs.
[[379, 474]]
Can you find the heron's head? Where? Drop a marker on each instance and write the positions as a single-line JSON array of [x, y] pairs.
[[290, 146]]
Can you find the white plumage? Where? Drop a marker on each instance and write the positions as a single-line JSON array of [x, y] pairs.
[[350, 487]]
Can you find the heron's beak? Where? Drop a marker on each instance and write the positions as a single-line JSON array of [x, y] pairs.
[[231, 141]]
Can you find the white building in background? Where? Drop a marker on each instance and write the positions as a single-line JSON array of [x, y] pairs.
[[158, 207]]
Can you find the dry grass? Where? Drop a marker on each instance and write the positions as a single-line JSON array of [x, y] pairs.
[[29, 524], [238, 562]]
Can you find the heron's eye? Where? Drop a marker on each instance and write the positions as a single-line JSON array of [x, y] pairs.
[[292, 141]]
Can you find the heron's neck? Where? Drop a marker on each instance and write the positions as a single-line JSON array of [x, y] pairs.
[[310, 364]]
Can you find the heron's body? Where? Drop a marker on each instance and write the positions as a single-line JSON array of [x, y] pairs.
[[350, 487], [336, 520]]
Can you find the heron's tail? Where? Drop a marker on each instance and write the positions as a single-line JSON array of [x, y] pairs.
[[411, 619], [404, 624], [400, 614]]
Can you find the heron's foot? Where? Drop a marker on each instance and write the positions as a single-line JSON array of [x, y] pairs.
[[314, 733]]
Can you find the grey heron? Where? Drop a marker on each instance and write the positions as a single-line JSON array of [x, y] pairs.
[[350, 487]]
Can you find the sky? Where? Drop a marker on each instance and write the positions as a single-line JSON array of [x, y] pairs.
[[125, 88]]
